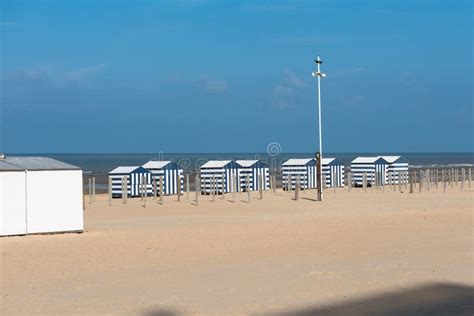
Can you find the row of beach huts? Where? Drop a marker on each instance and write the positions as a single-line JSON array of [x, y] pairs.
[[223, 176]]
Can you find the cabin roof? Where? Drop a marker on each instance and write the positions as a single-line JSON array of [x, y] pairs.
[[34, 163]]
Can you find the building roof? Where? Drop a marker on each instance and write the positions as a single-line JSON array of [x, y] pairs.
[[216, 164], [391, 159], [327, 161], [124, 169], [34, 163], [247, 163], [156, 164], [368, 159], [297, 161]]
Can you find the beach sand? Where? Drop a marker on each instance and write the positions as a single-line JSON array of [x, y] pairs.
[[269, 256]]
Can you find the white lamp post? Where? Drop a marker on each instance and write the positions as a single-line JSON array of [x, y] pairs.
[[319, 74]]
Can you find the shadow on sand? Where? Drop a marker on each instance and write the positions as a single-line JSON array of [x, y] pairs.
[[429, 299]]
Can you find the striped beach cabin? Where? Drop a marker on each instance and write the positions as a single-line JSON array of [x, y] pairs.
[[253, 169], [397, 168], [133, 174], [172, 175], [305, 168], [333, 172], [220, 171], [375, 167]]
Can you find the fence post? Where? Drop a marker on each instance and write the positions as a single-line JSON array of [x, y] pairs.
[[260, 186], [179, 187], [364, 181], [213, 187], [469, 175], [248, 188], [161, 190], [90, 191], [463, 178], [197, 188], [297, 188], [154, 188], [411, 182], [443, 174], [93, 189], [110, 191], [187, 187], [234, 186], [223, 186], [349, 181], [145, 189]]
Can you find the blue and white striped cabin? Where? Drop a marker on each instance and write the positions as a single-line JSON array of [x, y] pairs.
[[397, 168], [333, 172], [170, 171], [133, 174], [220, 171], [253, 169], [375, 167], [305, 168]]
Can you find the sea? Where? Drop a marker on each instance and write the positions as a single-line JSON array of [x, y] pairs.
[[98, 165]]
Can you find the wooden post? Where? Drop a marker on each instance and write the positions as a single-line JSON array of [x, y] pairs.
[[248, 188], [93, 189], [179, 187], [297, 188], [90, 191], [349, 181], [260, 186], [444, 179], [411, 182], [399, 175], [187, 187], [110, 191], [161, 190], [420, 187], [334, 181], [154, 189], [364, 181], [469, 176], [463, 178], [213, 187], [234, 186], [223, 186], [145, 189], [197, 188], [126, 189]]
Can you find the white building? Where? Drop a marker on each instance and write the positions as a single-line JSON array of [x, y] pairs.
[[39, 195], [302, 168], [333, 172], [253, 169], [171, 173]]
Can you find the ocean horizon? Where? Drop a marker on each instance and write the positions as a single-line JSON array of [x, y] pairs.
[[100, 163]]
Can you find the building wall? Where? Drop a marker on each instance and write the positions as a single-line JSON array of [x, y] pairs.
[[12, 203], [54, 201], [254, 178], [333, 175], [307, 175]]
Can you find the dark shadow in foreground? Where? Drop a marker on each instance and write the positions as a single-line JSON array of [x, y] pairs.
[[429, 299], [160, 312]]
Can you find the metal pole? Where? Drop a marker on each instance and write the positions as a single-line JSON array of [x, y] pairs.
[[318, 62]]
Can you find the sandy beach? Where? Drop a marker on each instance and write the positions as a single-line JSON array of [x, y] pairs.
[[270, 256]]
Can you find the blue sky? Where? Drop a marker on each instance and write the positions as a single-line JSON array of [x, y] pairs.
[[233, 76]]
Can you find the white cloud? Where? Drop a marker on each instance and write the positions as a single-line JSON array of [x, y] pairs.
[[287, 93], [84, 72]]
